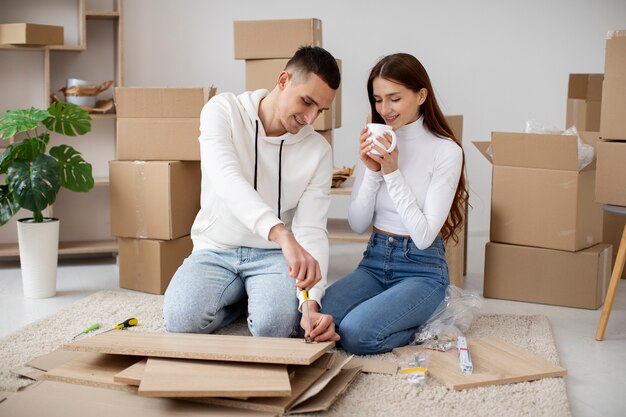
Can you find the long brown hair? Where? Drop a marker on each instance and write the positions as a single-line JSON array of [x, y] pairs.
[[405, 69]]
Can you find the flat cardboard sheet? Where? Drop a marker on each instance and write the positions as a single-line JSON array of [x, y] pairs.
[[327, 396], [57, 399], [194, 378], [204, 346], [94, 369], [495, 363]]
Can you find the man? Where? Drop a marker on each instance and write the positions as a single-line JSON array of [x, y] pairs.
[[264, 171]]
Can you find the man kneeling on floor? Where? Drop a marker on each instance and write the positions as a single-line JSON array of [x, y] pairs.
[[264, 171]]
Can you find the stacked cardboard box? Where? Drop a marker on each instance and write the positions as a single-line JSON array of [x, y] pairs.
[[267, 45], [584, 95], [155, 182], [545, 225], [611, 149]]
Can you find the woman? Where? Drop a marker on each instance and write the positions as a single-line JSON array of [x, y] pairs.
[[414, 198]]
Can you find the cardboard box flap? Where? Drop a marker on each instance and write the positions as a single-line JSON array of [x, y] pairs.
[[529, 150], [483, 148], [585, 86]]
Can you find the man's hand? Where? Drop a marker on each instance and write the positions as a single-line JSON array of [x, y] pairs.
[[323, 326], [302, 266]]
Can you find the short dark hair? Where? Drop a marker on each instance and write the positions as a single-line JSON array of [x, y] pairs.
[[316, 60]]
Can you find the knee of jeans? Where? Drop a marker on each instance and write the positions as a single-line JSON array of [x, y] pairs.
[[271, 327], [357, 341]]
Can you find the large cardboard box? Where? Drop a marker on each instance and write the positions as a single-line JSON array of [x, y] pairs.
[[611, 172], [547, 276], [612, 121], [260, 39], [612, 229], [154, 199], [263, 73], [148, 265], [161, 102], [30, 34], [538, 196], [156, 139]]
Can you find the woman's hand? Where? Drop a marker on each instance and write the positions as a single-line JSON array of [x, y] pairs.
[[365, 147], [387, 161], [323, 326]]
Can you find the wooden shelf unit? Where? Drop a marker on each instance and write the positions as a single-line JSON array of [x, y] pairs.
[[60, 63]]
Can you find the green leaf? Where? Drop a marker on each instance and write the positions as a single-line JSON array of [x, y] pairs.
[[27, 149], [68, 119], [8, 205], [74, 170], [35, 183], [16, 121]]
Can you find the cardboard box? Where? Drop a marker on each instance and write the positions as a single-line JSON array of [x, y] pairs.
[[153, 139], [611, 172], [583, 114], [584, 95], [585, 86], [149, 265], [263, 73], [260, 39], [154, 199], [161, 102], [538, 196], [547, 276], [30, 34], [613, 227], [612, 121]]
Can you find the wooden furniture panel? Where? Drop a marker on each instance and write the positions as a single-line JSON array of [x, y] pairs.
[[193, 378], [495, 362], [204, 346]]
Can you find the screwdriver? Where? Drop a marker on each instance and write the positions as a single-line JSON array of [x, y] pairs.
[[90, 328], [132, 322], [307, 314]]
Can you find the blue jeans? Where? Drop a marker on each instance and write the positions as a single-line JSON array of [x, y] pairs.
[[394, 290], [211, 287]]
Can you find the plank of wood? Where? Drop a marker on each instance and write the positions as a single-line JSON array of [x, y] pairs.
[[29, 372], [305, 376], [53, 359], [94, 369], [204, 346], [194, 378], [56, 399], [495, 362], [374, 366], [131, 375]]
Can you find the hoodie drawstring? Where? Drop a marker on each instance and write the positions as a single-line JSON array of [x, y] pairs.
[[256, 162]]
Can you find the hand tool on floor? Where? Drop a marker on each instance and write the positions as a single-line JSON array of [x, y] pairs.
[[131, 322], [307, 314], [90, 328]]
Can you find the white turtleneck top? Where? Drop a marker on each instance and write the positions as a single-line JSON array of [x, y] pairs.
[[416, 198]]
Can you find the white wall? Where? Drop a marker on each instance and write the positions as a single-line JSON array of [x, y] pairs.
[[498, 63]]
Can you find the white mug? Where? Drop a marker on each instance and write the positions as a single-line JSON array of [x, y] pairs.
[[379, 129]]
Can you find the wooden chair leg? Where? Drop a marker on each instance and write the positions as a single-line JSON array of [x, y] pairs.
[[618, 268]]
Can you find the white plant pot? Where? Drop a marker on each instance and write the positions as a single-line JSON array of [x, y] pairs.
[[39, 250]]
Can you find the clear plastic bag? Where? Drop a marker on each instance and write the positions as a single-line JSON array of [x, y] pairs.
[[585, 151], [414, 367], [451, 319]]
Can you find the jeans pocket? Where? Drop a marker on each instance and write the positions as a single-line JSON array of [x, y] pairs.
[[428, 258]]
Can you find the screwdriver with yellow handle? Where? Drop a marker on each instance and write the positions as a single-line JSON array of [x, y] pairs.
[[131, 322], [307, 315]]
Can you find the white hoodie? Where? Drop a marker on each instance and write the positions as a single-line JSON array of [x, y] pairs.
[[232, 214]]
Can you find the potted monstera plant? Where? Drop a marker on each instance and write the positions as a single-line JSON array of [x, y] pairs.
[[31, 176]]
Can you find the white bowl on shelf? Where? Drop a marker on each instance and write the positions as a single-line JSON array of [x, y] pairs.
[[75, 81], [87, 101]]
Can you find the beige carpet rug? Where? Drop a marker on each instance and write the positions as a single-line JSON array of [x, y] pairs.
[[369, 395]]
